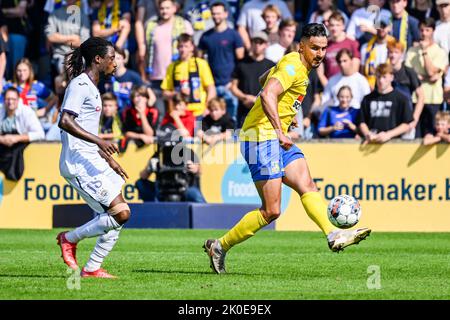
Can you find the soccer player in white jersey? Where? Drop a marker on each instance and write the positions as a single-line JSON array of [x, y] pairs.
[[86, 160]]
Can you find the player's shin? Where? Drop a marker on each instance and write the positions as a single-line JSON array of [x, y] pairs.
[[103, 247], [244, 229], [316, 209], [97, 226]]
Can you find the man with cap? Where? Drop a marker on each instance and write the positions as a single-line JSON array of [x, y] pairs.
[[442, 32], [245, 85], [375, 52]]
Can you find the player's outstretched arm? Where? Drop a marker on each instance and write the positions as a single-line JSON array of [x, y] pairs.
[[68, 124], [269, 101]]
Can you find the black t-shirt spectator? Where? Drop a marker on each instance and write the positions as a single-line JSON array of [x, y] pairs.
[[422, 15], [383, 112], [248, 71], [221, 125], [406, 81], [2, 17], [314, 87], [15, 25]]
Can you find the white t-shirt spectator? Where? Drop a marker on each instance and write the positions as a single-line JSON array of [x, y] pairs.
[[250, 16], [357, 82], [275, 52], [442, 35], [318, 18], [447, 80], [362, 16], [26, 122]]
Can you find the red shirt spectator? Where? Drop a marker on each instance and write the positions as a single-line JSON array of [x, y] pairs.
[[180, 117]]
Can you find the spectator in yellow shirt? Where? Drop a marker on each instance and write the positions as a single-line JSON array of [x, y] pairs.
[[190, 76]]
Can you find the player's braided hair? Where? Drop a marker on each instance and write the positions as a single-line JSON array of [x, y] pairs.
[[92, 47]]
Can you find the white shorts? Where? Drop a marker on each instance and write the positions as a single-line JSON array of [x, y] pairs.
[[97, 188]]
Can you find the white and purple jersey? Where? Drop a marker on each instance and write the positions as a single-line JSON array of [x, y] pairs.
[[82, 99]]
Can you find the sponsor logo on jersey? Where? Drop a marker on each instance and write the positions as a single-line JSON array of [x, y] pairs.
[[298, 103], [290, 69], [82, 84], [104, 193]]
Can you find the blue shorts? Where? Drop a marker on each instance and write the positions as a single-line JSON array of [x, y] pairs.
[[267, 160]]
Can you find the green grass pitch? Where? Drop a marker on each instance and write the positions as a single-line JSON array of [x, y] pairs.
[[170, 264]]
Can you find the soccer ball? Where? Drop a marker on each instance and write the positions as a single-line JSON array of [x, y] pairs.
[[344, 211]]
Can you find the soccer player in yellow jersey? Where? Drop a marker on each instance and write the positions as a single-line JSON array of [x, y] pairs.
[[273, 158]]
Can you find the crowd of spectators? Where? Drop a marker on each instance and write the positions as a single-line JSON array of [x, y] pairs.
[[193, 65]]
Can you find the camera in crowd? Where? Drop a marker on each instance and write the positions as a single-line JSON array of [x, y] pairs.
[[172, 176]]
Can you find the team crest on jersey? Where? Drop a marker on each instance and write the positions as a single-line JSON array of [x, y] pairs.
[[275, 167], [98, 109]]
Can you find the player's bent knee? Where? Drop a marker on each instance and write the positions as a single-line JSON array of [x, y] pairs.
[[120, 212], [122, 217], [271, 215], [309, 186]]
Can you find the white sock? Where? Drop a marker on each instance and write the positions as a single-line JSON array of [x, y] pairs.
[[101, 224], [102, 248]]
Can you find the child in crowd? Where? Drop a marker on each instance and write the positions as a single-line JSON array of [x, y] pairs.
[[441, 130], [110, 123], [178, 116], [339, 122], [217, 125], [140, 119]]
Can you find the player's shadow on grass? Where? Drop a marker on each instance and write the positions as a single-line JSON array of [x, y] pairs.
[[31, 276], [185, 272]]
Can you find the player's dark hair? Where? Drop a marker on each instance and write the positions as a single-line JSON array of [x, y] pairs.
[[314, 30], [88, 50]]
